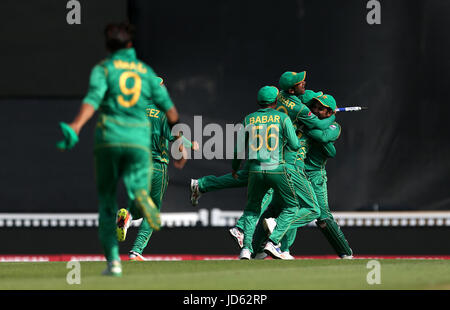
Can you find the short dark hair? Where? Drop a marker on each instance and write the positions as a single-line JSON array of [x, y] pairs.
[[118, 35]]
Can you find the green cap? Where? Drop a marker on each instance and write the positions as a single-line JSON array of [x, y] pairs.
[[267, 95], [309, 95], [289, 79], [327, 101]]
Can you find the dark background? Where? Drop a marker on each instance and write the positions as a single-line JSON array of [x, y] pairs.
[[214, 56]]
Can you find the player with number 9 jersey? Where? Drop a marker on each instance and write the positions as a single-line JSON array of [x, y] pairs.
[[120, 89]]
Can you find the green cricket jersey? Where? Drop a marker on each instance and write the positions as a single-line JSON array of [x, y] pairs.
[[301, 116], [120, 87], [161, 135], [267, 133], [322, 146]]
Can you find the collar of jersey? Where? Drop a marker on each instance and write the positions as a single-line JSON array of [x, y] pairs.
[[125, 53]]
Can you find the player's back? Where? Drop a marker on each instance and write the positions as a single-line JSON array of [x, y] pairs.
[[129, 91], [161, 134], [291, 105], [266, 130], [121, 87]]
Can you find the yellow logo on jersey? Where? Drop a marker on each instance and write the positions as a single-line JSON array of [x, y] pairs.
[[120, 64], [265, 119], [153, 113], [286, 102]]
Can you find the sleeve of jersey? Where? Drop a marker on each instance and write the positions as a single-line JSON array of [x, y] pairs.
[[329, 150], [97, 87], [330, 134], [160, 95], [310, 120], [292, 140], [167, 133]]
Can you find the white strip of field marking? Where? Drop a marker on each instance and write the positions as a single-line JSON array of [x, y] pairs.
[[223, 218]]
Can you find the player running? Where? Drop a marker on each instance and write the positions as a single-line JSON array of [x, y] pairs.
[[161, 137], [120, 87]]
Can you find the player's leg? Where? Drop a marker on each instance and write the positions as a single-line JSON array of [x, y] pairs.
[[267, 224], [270, 210], [299, 207], [326, 222], [107, 174], [237, 232], [158, 189], [257, 189], [213, 183], [137, 179]]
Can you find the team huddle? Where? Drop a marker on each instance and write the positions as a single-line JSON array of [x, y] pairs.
[[288, 141], [293, 137]]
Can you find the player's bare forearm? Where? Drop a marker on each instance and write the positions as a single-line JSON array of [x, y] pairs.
[[172, 116], [85, 114]]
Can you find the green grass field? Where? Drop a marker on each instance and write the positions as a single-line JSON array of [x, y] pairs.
[[234, 275]]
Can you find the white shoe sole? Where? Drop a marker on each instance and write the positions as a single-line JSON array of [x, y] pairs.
[[272, 252], [236, 238], [194, 201]]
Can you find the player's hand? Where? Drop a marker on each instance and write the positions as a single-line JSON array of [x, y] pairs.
[[234, 174], [179, 163], [75, 127], [70, 137], [195, 146]]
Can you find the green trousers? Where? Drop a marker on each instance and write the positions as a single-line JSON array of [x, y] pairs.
[[213, 183], [289, 219], [292, 187], [159, 183], [325, 222], [133, 165]]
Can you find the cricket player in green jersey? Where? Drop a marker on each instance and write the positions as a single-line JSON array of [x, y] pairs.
[[120, 88], [268, 133], [321, 149], [292, 102], [316, 159], [161, 136]]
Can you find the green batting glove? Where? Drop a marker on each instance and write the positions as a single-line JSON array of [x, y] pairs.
[[70, 137]]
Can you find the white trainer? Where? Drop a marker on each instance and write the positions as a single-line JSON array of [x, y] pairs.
[[287, 256], [260, 255], [347, 257], [114, 268], [269, 225], [238, 235], [273, 250], [136, 257], [195, 192], [245, 254]]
